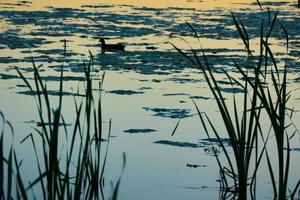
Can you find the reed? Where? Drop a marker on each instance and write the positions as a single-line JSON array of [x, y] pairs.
[[11, 182], [85, 150], [272, 91], [6, 162], [70, 163], [265, 91], [242, 130]]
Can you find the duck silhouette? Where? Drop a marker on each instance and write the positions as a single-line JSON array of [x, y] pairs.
[[110, 47]]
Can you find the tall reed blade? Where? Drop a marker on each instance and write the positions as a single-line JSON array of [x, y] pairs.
[[266, 92], [81, 174]]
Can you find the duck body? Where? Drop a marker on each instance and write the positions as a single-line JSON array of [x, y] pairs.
[[110, 47]]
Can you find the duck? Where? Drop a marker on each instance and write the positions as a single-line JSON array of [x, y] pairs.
[[110, 47]]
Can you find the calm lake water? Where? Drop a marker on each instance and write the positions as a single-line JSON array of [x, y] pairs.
[[147, 88]]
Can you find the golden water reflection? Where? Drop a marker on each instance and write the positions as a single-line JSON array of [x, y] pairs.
[[196, 4]]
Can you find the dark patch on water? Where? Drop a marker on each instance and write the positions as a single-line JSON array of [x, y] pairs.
[[207, 141], [175, 94], [225, 82], [9, 59], [67, 12], [155, 80], [96, 6], [200, 97], [13, 41], [12, 5], [184, 80], [41, 58], [168, 112], [232, 90], [204, 187], [65, 78], [25, 2], [125, 92], [195, 165], [293, 149], [145, 9], [145, 88], [212, 151], [192, 187], [297, 79], [265, 3], [8, 76], [151, 47], [224, 50], [48, 78], [38, 123], [139, 130], [57, 52], [184, 9], [50, 92], [178, 144], [21, 86]]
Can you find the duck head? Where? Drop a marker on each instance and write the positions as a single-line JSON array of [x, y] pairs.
[[102, 41]]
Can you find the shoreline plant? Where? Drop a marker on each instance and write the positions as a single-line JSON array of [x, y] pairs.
[[265, 93], [70, 161]]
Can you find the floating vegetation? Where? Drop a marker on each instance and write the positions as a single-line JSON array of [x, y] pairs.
[[37, 123], [9, 60], [50, 92], [200, 97], [146, 130], [145, 88], [19, 3], [292, 149], [175, 94], [170, 113], [125, 92], [13, 41], [195, 165], [207, 141], [232, 90], [8, 76], [178, 144], [212, 151]]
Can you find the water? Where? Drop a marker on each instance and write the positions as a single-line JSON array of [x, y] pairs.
[[149, 86]]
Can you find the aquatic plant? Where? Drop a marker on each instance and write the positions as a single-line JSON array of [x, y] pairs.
[[272, 91], [6, 162], [265, 91], [242, 130], [70, 164], [85, 150]]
